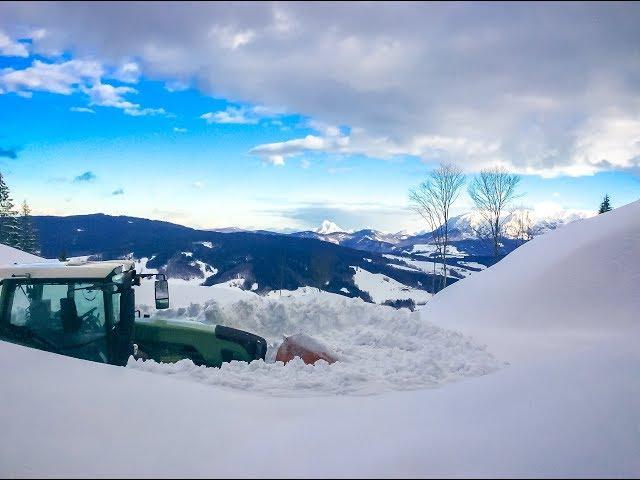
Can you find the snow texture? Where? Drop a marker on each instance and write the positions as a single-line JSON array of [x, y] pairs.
[[379, 348]]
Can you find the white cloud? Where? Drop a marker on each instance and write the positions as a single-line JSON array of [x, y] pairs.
[[610, 140], [180, 130], [198, 184], [432, 148], [82, 110], [61, 78], [140, 112], [243, 114], [324, 128], [10, 48], [275, 153], [65, 78], [128, 72], [230, 115], [105, 95]]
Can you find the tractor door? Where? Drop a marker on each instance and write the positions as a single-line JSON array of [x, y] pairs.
[[66, 318]]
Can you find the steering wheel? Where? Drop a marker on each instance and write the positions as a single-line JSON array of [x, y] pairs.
[[89, 313]]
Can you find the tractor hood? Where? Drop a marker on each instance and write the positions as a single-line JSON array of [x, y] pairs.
[[169, 340]]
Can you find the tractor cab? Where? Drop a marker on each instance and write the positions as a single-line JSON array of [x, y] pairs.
[[84, 309], [87, 310]]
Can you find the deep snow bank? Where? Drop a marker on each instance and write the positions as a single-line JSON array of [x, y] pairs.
[[379, 348], [557, 417], [582, 280]]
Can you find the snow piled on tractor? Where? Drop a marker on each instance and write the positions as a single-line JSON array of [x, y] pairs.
[[378, 348]]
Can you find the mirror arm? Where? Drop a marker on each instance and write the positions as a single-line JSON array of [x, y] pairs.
[[149, 275]]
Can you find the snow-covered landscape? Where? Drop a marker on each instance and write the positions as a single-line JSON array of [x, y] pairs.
[[319, 239], [492, 377]]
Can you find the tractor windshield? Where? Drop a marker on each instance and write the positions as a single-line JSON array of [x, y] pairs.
[[66, 318]]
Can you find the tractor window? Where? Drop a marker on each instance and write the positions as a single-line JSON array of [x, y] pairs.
[[62, 318], [116, 307]]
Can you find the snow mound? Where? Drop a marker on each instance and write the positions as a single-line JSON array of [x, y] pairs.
[[582, 277], [379, 348]]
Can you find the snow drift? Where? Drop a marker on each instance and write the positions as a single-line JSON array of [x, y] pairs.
[[581, 280]]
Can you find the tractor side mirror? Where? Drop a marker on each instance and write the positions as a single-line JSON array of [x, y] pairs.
[[162, 294]]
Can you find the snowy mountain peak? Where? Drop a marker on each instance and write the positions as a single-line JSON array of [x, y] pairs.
[[328, 227], [536, 221]]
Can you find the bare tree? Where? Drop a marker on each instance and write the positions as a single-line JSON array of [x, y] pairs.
[[427, 211], [492, 191], [522, 228], [433, 200]]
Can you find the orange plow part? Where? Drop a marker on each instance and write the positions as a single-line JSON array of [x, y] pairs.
[[305, 347]]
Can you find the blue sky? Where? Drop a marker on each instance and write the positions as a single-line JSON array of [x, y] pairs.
[[245, 130]]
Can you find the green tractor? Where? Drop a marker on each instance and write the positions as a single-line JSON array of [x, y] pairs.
[[87, 310]]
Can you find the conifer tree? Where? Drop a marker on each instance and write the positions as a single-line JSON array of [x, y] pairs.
[[605, 206], [28, 233], [9, 234]]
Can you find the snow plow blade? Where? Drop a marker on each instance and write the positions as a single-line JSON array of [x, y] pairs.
[[305, 347]]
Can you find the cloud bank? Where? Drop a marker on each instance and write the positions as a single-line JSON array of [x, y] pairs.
[[540, 89]]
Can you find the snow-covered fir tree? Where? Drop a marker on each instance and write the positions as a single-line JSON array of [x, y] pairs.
[[605, 206], [9, 229], [28, 233]]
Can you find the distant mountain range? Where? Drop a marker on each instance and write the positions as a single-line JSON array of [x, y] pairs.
[[263, 261], [272, 261], [519, 224]]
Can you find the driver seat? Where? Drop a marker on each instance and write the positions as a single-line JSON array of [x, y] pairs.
[[71, 322]]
